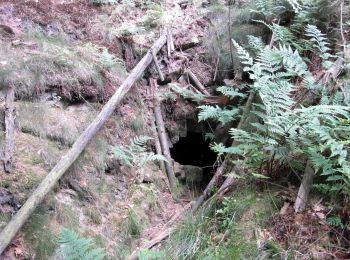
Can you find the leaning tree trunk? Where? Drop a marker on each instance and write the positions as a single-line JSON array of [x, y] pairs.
[[304, 190], [9, 232], [9, 148], [164, 144]]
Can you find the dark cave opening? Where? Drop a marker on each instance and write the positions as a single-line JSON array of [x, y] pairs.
[[194, 150]]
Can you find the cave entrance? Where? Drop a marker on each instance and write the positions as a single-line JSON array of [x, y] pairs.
[[194, 150]]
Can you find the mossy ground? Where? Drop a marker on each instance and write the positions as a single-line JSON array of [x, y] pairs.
[[39, 236]]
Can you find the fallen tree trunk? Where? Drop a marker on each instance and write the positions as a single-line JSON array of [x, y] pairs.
[[164, 144], [9, 232], [9, 148], [196, 81]]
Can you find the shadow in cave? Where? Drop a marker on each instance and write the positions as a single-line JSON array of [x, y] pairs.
[[194, 150]]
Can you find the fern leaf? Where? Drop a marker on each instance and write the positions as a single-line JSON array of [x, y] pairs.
[[230, 92], [73, 247], [243, 55], [141, 140], [224, 116], [186, 93], [319, 40]]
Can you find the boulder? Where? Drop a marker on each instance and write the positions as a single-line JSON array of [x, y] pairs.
[[179, 172], [193, 174]]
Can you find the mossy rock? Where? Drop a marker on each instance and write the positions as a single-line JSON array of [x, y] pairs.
[[193, 174], [54, 122]]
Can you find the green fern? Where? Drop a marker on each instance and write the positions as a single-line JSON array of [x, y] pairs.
[[136, 154], [224, 116], [335, 221], [230, 92], [74, 247], [186, 93], [319, 42], [268, 8], [256, 44], [284, 131], [220, 149], [243, 55]]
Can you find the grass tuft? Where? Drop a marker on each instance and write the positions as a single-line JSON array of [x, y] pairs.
[[39, 62], [223, 231]]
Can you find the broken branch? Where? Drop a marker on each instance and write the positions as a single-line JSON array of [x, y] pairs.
[[197, 83]]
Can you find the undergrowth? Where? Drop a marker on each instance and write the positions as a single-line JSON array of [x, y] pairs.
[[224, 230]]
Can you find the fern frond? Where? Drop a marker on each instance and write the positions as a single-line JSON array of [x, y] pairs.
[[224, 116], [220, 149], [151, 157], [187, 93], [230, 92], [255, 43], [141, 140], [243, 55], [320, 41], [73, 247], [297, 7]]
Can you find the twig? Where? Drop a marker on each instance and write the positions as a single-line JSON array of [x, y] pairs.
[[216, 67]]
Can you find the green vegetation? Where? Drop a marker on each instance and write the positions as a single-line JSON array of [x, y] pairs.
[[94, 214], [74, 247], [54, 62], [38, 236], [136, 152], [223, 231]]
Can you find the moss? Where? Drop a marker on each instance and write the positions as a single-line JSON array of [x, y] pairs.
[[4, 219], [93, 214], [21, 183], [38, 237], [67, 216]]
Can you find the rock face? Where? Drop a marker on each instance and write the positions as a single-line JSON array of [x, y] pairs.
[[189, 174]]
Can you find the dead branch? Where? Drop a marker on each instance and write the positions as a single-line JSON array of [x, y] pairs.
[[192, 77], [10, 129], [160, 73]]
